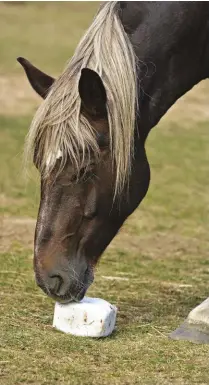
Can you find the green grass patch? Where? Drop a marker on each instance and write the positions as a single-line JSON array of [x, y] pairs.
[[46, 33], [137, 352], [19, 187]]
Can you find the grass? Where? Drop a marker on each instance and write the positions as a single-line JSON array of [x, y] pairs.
[[158, 263], [45, 33]]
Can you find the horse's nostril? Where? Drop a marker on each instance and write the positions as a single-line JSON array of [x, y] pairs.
[[55, 284]]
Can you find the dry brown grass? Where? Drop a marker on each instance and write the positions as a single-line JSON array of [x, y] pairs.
[[16, 96], [16, 232]]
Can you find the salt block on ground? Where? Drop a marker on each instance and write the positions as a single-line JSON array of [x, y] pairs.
[[91, 317]]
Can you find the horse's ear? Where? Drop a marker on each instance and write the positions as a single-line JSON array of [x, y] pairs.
[[39, 81], [92, 93]]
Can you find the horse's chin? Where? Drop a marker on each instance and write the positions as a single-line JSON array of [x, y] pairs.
[[65, 301], [70, 299]]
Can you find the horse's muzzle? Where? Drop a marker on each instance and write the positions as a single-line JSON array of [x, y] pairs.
[[66, 285]]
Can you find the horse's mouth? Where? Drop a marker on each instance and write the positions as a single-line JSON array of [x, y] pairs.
[[80, 291], [69, 297]]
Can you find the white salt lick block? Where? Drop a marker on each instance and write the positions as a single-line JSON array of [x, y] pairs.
[[91, 317]]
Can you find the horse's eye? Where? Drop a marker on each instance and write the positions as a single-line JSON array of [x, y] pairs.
[[90, 215], [83, 175], [103, 140]]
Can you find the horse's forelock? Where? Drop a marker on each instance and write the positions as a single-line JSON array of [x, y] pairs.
[[58, 124]]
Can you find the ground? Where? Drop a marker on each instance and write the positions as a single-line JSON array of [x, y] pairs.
[[156, 269]]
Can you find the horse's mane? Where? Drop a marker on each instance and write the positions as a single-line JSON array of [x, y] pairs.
[[58, 124]]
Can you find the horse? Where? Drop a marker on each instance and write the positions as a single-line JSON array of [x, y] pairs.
[[88, 137]]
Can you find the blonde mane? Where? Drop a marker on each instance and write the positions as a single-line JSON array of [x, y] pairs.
[[58, 124]]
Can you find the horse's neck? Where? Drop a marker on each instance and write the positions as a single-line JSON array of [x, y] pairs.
[[171, 40]]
